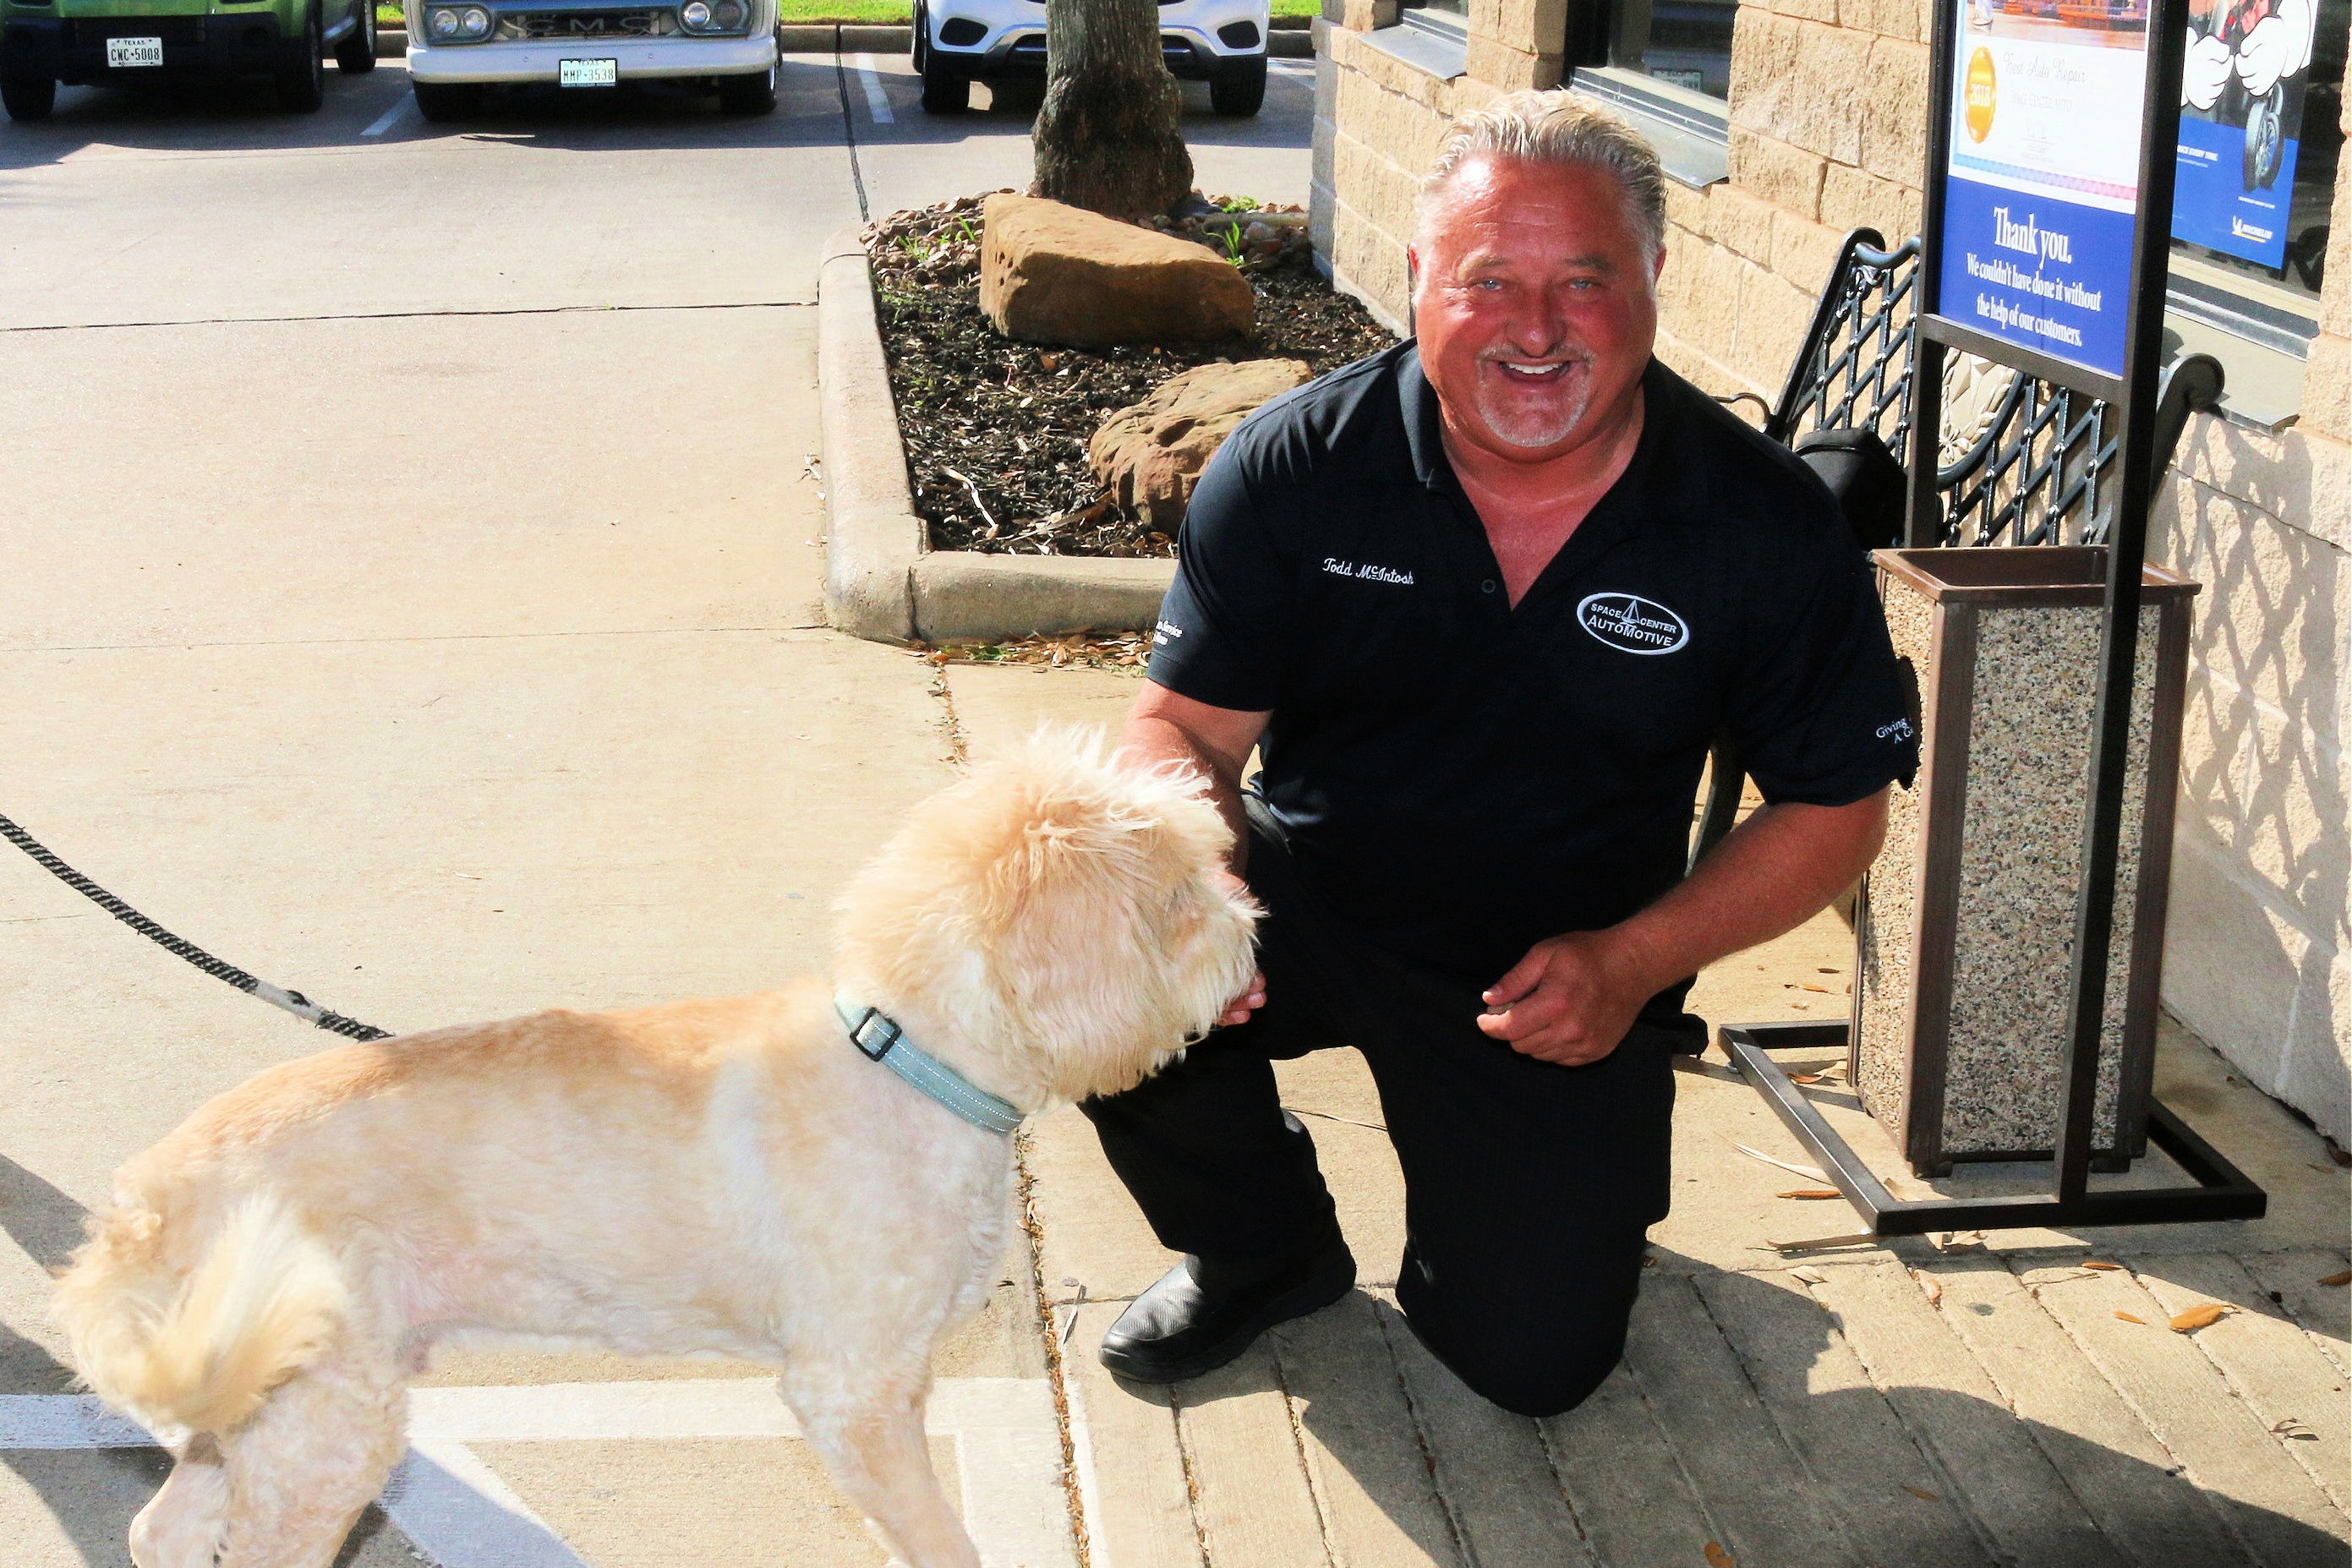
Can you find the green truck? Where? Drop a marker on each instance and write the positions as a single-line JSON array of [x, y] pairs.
[[118, 42]]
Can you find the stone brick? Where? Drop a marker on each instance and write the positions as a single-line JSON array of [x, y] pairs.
[[2271, 619], [1809, 10], [1816, 107], [1894, 110], [1379, 191], [2232, 963], [1741, 221], [1706, 300], [2328, 388], [2294, 840], [1362, 16], [2335, 293], [1688, 207], [1371, 261], [2216, 730], [1709, 376], [1852, 199], [1535, 27], [1774, 315], [1392, 75], [1406, 130], [1763, 63], [2257, 468], [2317, 1078], [1804, 252], [2328, 516], [1511, 68], [1783, 175], [1322, 154]]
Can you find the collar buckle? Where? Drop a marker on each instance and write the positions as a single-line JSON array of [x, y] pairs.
[[885, 1028]]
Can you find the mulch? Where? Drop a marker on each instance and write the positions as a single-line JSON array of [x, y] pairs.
[[996, 431]]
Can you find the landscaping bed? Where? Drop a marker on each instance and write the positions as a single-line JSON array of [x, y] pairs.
[[996, 431]]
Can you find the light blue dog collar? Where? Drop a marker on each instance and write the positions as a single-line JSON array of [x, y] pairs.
[[879, 1037]]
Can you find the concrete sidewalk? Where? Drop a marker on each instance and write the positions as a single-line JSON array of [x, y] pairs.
[[1946, 1401]]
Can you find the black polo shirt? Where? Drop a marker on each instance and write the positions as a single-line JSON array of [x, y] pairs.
[[1461, 778]]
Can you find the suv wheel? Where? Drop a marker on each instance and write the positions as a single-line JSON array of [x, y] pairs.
[[302, 79], [443, 101], [1240, 94], [944, 93], [28, 98], [355, 54], [747, 94]]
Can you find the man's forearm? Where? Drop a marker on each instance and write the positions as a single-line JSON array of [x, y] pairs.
[[1152, 738], [1769, 875]]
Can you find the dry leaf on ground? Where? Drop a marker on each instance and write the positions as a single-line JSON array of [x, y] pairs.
[[2129, 1319], [1716, 1557], [1810, 1276], [2291, 1427], [2093, 1263], [1933, 1286], [1810, 1192], [2200, 1317], [1821, 1243], [1811, 987], [1804, 1078], [2343, 1279], [1783, 1165], [1921, 1493]]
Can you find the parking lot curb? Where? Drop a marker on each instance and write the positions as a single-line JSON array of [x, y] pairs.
[[390, 44], [831, 37], [1290, 44], [881, 582]]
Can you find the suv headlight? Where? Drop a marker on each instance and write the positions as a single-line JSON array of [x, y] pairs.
[[457, 24], [713, 15]]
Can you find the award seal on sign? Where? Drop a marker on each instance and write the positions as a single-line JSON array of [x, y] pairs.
[[1980, 94]]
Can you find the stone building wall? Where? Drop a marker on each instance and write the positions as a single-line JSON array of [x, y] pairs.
[[1828, 129]]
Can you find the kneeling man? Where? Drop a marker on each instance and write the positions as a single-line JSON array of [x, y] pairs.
[[1481, 601]]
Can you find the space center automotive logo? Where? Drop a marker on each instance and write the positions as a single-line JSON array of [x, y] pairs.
[[1632, 622]]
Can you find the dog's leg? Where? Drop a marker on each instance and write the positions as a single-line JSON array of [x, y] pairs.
[[181, 1526], [302, 1469], [869, 1430]]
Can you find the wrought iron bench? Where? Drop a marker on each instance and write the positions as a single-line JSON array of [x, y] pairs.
[[2029, 463]]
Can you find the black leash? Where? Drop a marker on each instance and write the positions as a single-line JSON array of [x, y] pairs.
[[294, 1002]]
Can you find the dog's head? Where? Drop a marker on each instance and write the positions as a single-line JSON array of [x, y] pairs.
[[1058, 915]]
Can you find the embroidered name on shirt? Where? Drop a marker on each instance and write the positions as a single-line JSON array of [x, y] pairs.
[[1367, 573], [1163, 633], [1630, 622]]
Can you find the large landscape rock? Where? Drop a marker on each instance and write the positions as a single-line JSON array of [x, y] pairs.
[[1054, 274], [1150, 455]]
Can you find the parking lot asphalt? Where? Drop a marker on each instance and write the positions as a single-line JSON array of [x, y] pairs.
[[413, 562]]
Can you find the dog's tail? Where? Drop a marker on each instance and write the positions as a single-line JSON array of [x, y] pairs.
[[199, 1348]]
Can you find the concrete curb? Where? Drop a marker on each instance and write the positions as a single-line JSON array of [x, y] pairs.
[[390, 44], [880, 581], [828, 38]]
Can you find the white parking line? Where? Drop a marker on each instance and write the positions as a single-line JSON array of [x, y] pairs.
[[454, 1508], [393, 116], [877, 104]]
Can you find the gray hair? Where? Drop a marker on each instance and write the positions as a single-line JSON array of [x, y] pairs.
[[1556, 130]]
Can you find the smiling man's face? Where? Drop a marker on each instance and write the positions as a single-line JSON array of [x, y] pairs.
[[1535, 305]]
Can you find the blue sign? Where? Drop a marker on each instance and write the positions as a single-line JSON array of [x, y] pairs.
[[2041, 179]]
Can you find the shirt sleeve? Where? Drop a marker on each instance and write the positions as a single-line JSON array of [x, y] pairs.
[[1823, 712], [1224, 628]]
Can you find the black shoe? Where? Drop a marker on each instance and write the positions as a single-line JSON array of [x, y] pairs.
[[1182, 1328]]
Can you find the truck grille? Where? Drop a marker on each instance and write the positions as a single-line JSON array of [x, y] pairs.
[[631, 22]]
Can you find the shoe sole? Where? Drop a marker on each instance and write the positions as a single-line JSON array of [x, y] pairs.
[[1311, 1297]]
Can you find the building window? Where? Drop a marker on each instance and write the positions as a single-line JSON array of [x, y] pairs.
[[1684, 44], [2260, 140]]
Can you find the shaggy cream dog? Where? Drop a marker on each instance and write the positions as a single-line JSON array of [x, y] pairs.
[[731, 1177]]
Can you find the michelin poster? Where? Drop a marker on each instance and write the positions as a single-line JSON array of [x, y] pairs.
[[2241, 90], [2042, 183]]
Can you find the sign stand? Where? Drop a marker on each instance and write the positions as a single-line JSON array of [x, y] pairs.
[[2004, 188]]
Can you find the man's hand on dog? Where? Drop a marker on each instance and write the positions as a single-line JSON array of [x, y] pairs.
[[1570, 1000], [1253, 994]]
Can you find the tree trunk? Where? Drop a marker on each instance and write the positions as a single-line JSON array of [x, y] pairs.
[[1110, 136]]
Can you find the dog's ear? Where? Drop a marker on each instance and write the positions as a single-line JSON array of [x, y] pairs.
[[1111, 942]]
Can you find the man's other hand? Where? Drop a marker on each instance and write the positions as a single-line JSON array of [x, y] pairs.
[[1252, 995], [1570, 1000]]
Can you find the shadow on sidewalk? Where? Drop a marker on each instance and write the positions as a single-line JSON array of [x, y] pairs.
[[1784, 1425]]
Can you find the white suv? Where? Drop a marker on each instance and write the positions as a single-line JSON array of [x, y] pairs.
[[959, 42], [456, 47]]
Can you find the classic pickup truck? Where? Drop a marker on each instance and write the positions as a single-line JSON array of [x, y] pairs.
[[456, 47]]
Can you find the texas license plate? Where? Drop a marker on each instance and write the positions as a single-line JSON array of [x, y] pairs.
[[587, 73], [121, 52]]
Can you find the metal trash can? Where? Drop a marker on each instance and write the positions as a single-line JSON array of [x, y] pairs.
[[1965, 926]]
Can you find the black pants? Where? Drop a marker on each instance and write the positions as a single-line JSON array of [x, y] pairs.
[[1528, 1186]]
